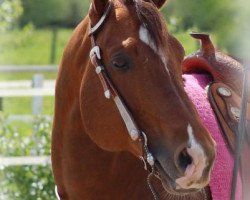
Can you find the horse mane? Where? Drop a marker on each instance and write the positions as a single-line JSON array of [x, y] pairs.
[[151, 19]]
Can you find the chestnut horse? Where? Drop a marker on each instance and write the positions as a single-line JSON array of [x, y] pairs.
[[97, 141]]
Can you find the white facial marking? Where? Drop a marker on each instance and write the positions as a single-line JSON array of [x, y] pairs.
[[194, 171], [146, 38]]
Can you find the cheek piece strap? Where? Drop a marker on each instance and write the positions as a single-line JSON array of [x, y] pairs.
[[110, 92]]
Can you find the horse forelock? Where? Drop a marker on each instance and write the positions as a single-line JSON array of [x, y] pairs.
[[151, 19]]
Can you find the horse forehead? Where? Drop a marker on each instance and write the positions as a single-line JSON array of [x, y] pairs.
[[125, 26], [124, 13]]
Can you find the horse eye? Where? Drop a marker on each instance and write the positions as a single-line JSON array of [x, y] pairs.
[[120, 62]]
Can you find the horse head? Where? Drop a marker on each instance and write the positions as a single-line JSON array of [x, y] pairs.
[[143, 62]]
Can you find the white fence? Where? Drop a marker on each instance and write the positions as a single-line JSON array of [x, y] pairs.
[[27, 68], [25, 160], [37, 88], [25, 88]]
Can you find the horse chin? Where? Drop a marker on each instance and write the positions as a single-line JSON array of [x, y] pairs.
[[180, 192], [169, 184]]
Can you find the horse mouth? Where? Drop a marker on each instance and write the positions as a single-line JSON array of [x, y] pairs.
[[168, 183]]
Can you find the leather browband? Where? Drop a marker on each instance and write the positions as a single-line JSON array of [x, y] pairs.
[[99, 24]]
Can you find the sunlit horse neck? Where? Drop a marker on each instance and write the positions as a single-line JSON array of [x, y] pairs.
[[92, 153]]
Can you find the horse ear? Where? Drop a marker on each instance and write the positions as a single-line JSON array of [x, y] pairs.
[[159, 3], [98, 6]]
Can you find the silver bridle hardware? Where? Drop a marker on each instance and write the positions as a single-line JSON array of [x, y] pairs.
[[150, 159], [110, 91], [134, 134], [98, 69], [107, 94], [95, 51]]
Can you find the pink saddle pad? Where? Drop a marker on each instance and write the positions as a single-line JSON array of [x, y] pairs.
[[221, 177]]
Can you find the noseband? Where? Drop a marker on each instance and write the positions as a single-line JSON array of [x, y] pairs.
[[110, 91]]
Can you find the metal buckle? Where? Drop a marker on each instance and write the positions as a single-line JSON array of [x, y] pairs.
[[95, 52], [150, 158]]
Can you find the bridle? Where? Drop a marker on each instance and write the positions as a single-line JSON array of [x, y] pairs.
[[133, 129], [110, 92], [136, 134]]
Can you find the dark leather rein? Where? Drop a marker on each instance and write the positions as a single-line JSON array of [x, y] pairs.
[[110, 92]]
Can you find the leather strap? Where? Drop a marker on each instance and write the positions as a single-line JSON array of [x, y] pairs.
[[227, 108], [110, 91], [99, 24], [230, 99]]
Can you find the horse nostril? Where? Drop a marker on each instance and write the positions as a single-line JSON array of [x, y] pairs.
[[184, 159]]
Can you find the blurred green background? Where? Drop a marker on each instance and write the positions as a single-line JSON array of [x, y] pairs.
[[35, 32], [26, 26]]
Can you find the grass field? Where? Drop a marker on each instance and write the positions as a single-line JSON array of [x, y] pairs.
[[34, 46], [31, 46]]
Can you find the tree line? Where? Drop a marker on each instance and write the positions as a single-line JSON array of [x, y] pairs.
[[219, 17], [53, 12]]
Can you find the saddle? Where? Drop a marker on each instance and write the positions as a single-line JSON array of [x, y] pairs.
[[225, 91], [224, 94]]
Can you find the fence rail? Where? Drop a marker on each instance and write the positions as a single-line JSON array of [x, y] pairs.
[[24, 160], [28, 68], [36, 88], [27, 88], [24, 84], [27, 92]]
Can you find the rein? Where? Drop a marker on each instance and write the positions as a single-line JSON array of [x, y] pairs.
[[135, 133], [110, 91]]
